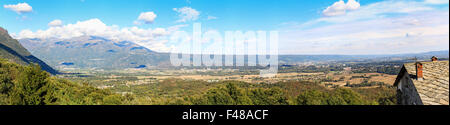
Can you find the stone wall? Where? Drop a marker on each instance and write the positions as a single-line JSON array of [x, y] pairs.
[[407, 93]]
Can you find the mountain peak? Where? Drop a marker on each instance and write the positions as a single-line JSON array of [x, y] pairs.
[[3, 31]]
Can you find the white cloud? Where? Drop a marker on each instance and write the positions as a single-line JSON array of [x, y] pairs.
[[187, 14], [25, 34], [338, 8], [153, 39], [412, 33], [352, 5], [374, 11], [436, 1], [386, 27], [159, 31], [55, 23], [146, 17], [341, 8], [19, 8]]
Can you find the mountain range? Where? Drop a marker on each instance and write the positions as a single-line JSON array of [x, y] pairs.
[[12, 50], [92, 52]]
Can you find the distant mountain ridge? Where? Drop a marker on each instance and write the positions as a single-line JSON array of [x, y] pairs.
[[12, 50], [94, 52]]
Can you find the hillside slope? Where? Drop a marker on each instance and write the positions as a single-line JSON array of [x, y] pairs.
[[29, 85], [12, 50]]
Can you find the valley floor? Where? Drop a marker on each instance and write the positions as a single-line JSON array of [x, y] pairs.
[[171, 87]]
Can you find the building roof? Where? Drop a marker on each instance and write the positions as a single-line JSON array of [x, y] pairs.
[[434, 88]]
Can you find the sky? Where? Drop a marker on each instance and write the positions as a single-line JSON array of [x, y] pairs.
[[348, 27]]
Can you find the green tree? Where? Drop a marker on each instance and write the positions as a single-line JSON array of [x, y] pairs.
[[347, 97], [6, 82], [112, 100], [386, 99], [312, 97], [219, 96], [338, 96], [31, 87], [273, 96], [231, 94]]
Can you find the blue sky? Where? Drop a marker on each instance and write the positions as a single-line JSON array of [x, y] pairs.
[[233, 14], [302, 23]]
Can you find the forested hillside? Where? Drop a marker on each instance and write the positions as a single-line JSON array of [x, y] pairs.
[[29, 85]]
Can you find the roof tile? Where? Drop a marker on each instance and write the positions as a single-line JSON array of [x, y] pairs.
[[434, 88]]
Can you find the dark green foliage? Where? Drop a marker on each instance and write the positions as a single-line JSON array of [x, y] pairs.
[[29, 85], [283, 93], [380, 95], [339, 96], [313, 97], [387, 100], [346, 97], [366, 83], [6, 82], [68, 93], [112, 100], [232, 94], [273, 96], [228, 95]]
